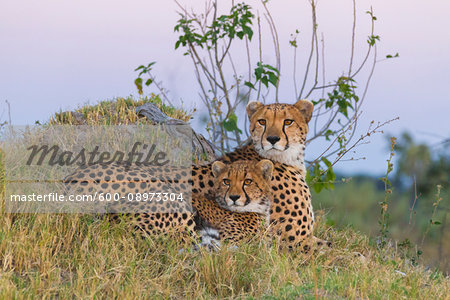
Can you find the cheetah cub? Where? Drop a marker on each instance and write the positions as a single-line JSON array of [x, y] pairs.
[[240, 206]]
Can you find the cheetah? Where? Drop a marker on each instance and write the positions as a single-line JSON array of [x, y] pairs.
[[240, 205], [278, 133], [237, 210]]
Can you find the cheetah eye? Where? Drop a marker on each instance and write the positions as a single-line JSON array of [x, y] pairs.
[[226, 181], [262, 122], [248, 181], [288, 122]]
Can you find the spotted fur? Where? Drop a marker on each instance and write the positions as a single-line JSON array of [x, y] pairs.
[[216, 216]]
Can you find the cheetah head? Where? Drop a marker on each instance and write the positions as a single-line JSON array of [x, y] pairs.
[[278, 131], [243, 186]]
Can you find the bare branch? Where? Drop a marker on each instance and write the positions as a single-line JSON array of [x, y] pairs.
[[225, 52], [323, 64], [353, 39], [313, 39], [370, 47], [342, 153], [358, 105], [219, 69], [294, 72], [323, 83], [260, 52], [160, 88], [276, 42]]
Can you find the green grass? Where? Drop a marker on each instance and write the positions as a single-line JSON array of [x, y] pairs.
[[356, 203], [70, 256]]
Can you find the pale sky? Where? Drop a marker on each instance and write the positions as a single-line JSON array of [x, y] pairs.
[[61, 54]]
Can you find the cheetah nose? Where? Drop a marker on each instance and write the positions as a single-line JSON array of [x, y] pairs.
[[234, 198], [273, 139]]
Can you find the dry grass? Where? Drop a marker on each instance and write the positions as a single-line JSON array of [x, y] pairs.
[[68, 256], [80, 256]]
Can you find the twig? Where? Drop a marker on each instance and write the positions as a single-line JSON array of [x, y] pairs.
[[353, 39], [411, 208], [294, 71], [313, 39], [357, 142], [370, 46], [274, 33], [260, 54], [435, 207], [9, 112]]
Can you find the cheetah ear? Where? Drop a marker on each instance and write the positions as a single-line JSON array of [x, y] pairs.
[[252, 107], [306, 108], [217, 168], [266, 167]]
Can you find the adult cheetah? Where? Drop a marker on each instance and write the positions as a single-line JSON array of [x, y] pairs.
[[278, 132]]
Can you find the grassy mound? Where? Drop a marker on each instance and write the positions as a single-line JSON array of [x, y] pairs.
[[80, 256], [120, 111]]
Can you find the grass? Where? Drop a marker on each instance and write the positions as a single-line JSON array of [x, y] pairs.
[[81, 256], [120, 111], [344, 206], [69, 256]]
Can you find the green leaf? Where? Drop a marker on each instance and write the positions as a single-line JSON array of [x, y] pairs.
[[250, 85], [317, 171], [140, 67], [265, 81], [318, 186], [258, 71], [230, 124], [273, 79], [330, 175], [138, 83], [272, 68], [248, 31], [392, 56], [308, 177], [326, 162], [148, 82], [328, 133]]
